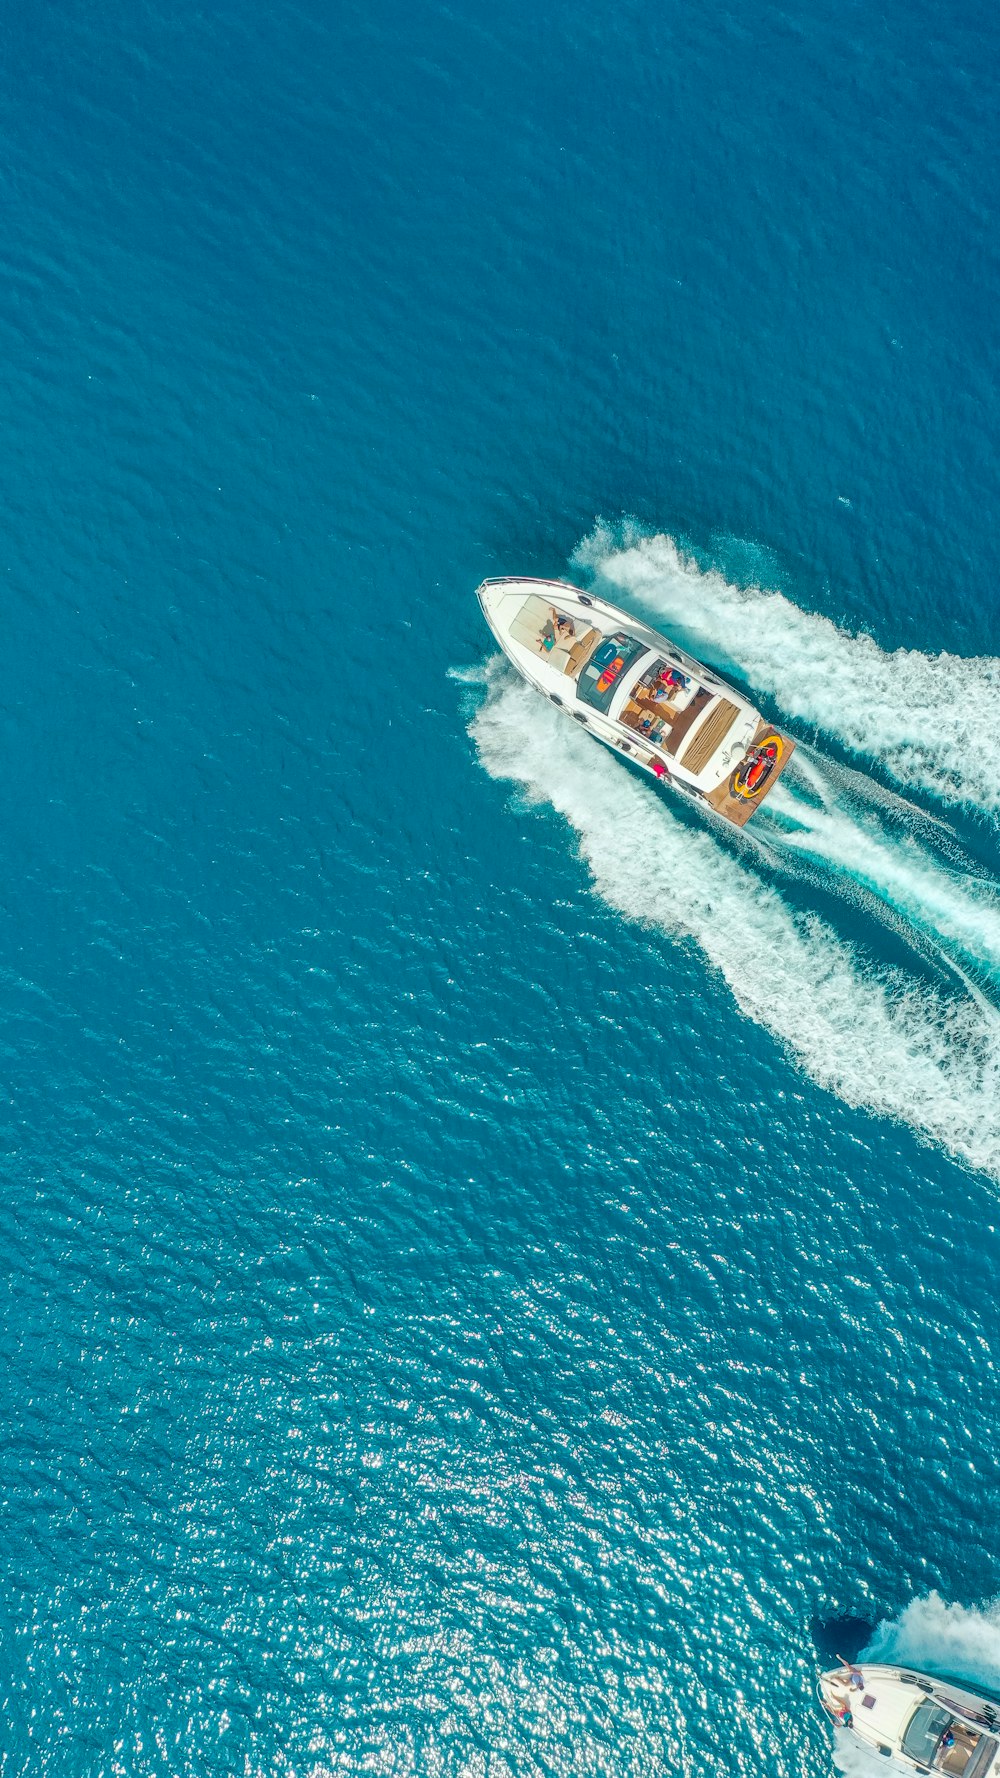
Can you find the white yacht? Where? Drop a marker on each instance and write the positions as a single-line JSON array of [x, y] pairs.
[[634, 690], [920, 1723]]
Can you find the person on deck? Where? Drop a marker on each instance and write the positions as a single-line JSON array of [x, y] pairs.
[[853, 1675]]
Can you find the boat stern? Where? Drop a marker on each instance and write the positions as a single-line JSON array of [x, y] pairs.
[[753, 775]]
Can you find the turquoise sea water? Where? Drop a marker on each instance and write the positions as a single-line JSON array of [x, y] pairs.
[[491, 1267]]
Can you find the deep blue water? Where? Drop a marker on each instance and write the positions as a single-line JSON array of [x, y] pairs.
[[488, 1266]]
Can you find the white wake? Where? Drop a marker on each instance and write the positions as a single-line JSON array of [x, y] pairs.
[[957, 913], [877, 1038], [929, 720], [956, 1641]]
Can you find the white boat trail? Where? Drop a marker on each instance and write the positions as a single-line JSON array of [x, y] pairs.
[[866, 844], [956, 1641], [879, 1037]]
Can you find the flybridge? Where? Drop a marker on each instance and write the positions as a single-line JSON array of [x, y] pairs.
[[639, 694]]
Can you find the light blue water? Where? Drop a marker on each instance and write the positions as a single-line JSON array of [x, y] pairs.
[[490, 1264]]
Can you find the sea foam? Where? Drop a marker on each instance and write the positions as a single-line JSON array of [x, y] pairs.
[[877, 1038], [929, 720], [958, 1640], [952, 910]]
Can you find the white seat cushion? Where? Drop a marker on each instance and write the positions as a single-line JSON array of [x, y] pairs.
[[530, 621]]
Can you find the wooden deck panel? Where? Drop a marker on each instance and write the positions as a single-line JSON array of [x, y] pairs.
[[683, 720], [733, 807], [699, 751]]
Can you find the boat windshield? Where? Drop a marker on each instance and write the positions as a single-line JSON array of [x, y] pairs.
[[936, 1738], [601, 677], [926, 1726]]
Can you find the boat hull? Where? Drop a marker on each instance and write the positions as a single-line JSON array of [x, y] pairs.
[[920, 1722], [669, 714]]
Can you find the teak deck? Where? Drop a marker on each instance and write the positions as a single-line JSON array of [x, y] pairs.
[[699, 751], [734, 808]]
